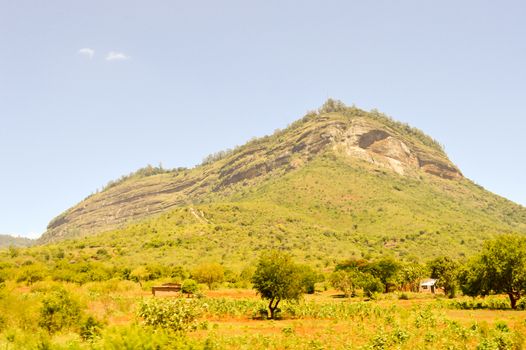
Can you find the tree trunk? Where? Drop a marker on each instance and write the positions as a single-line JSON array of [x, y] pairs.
[[273, 308], [514, 297]]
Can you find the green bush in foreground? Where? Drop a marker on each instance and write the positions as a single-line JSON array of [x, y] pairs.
[[59, 310]]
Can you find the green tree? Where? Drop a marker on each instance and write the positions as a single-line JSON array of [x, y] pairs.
[[387, 270], [346, 281], [352, 274], [209, 273], [411, 274], [309, 277], [140, 274], [371, 284], [499, 268], [445, 270], [277, 278], [353, 264]]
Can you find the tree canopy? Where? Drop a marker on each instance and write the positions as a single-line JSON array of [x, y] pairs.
[[277, 278], [499, 268], [445, 270], [209, 273]]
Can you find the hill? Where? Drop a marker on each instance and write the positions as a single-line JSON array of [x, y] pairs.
[[338, 182], [8, 241]]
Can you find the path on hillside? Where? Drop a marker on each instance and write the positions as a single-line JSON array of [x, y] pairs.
[[199, 216]]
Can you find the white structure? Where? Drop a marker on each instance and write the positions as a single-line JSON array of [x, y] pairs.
[[428, 285]]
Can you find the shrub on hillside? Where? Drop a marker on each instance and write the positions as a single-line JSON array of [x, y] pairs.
[[31, 274]]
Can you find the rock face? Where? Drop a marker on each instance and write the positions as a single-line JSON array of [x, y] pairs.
[[355, 134], [379, 146]]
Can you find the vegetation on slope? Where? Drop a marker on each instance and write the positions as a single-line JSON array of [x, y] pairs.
[[331, 209], [113, 312]]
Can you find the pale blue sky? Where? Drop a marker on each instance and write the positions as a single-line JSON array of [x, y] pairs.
[[189, 78]]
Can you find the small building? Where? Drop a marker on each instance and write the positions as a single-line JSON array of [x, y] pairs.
[[428, 285]]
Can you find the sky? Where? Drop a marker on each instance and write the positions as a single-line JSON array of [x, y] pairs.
[[92, 90]]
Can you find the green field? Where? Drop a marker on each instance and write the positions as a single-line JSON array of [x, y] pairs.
[[228, 319]]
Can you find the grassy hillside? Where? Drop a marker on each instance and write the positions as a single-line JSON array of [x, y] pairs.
[[333, 208]]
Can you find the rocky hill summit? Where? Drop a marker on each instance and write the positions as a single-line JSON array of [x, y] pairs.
[[360, 137]]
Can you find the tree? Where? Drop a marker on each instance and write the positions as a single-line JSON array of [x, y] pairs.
[[277, 278], [371, 284], [309, 277], [445, 270], [331, 106], [353, 264], [345, 281], [140, 274], [499, 268], [209, 273], [387, 271], [411, 273]]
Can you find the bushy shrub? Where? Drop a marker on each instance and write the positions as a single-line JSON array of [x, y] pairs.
[[31, 274], [59, 310], [189, 287], [173, 314], [90, 329]]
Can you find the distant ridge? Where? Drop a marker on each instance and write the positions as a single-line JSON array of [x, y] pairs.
[[15, 241]]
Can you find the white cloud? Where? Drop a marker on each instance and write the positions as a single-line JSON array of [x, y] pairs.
[[117, 56], [86, 51]]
